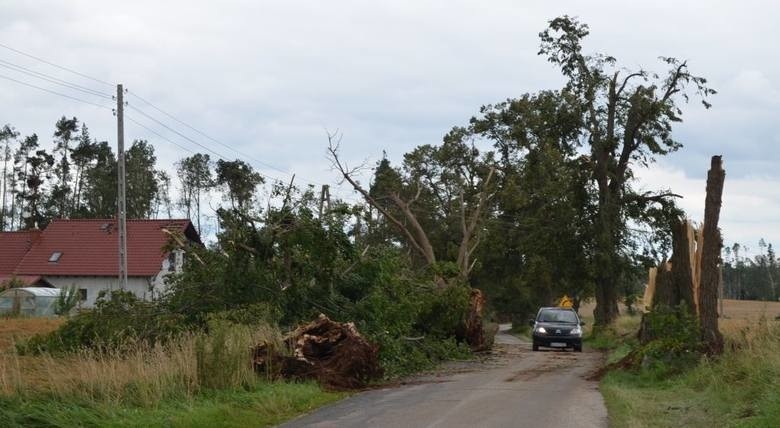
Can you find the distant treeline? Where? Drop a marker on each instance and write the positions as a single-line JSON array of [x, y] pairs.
[[75, 176], [748, 278]]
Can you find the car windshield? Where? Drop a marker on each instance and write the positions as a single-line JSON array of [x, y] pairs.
[[555, 315]]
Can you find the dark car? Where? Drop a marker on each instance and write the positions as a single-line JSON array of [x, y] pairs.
[[557, 328]]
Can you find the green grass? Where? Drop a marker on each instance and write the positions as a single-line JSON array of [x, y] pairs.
[[741, 388], [617, 336], [266, 405]]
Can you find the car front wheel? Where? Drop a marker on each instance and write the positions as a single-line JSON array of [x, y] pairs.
[[535, 346]]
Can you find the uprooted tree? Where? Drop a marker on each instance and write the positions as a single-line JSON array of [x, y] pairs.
[[455, 184], [442, 190]]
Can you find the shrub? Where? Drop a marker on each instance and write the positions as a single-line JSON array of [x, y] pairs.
[[66, 301], [118, 317]]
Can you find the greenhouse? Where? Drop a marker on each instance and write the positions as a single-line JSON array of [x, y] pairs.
[[29, 301]]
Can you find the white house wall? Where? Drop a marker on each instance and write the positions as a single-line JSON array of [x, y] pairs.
[[136, 285]]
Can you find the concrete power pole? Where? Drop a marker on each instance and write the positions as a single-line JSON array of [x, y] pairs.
[[121, 176], [324, 200]]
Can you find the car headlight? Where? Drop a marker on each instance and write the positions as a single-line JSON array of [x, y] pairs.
[[541, 330], [577, 331]]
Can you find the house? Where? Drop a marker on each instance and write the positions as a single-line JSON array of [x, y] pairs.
[[13, 247], [84, 254]]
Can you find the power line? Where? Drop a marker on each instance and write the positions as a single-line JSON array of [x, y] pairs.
[[52, 79], [255, 160], [90, 91], [208, 136], [57, 66], [128, 117], [55, 92], [214, 152]]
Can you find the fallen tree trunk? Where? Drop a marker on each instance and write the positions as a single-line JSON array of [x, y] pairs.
[[332, 353]]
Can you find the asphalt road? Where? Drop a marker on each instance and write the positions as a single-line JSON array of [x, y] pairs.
[[514, 388]]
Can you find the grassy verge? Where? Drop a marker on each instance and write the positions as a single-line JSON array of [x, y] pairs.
[[195, 379], [739, 388], [266, 404]]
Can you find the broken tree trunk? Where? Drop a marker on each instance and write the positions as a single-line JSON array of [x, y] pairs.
[[664, 286], [682, 272], [333, 353], [710, 259], [475, 331], [663, 297], [647, 300]]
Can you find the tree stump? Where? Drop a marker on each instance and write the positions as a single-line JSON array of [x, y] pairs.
[[710, 259]]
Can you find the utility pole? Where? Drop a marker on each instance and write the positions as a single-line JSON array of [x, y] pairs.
[[121, 176], [324, 200]]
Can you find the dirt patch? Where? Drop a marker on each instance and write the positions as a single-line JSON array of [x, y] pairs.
[[554, 365]]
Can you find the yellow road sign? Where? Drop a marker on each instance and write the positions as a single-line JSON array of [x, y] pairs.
[[566, 302]]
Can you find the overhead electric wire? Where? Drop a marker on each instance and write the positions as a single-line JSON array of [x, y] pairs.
[[243, 154], [130, 118], [206, 135], [214, 152], [52, 79], [74, 86], [55, 92], [57, 66]]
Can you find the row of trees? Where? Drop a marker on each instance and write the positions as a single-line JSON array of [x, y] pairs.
[[554, 198], [749, 278], [533, 198], [76, 177]]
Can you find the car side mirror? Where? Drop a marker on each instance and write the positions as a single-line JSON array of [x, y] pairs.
[[582, 322], [531, 322]]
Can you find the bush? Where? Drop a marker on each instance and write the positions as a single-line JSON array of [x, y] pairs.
[[66, 301], [118, 317]]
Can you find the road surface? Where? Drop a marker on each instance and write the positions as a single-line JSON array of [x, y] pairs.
[[515, 388]]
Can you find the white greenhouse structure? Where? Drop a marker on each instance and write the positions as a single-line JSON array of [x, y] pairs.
[[29, 301]]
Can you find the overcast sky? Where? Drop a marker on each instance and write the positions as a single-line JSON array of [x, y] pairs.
[[268, 78]]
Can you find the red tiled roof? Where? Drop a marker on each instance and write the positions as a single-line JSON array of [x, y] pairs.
[[90, 247], [28, 280], [13, 247]]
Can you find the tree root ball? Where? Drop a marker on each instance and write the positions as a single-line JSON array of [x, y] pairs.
[[332, 353]]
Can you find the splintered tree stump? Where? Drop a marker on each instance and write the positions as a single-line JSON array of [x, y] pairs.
[[333, 353], [682, 271], [475, 334], [664, 286], [710, 259]]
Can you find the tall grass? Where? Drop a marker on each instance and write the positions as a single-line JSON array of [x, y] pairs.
[[738, 388], [137, 373]]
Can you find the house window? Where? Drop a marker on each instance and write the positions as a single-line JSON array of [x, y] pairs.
[[55, 257], [82, 294]]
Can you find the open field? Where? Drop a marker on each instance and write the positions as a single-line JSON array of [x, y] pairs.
[[738, 314], [15, 329]]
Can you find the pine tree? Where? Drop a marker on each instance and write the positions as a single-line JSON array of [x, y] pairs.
[[60, 192], [7, 134]]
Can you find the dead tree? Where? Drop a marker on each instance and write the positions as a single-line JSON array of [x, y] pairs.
[[408, 224], [710, 259]]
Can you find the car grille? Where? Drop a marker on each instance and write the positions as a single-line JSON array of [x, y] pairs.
[[558, 331]]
